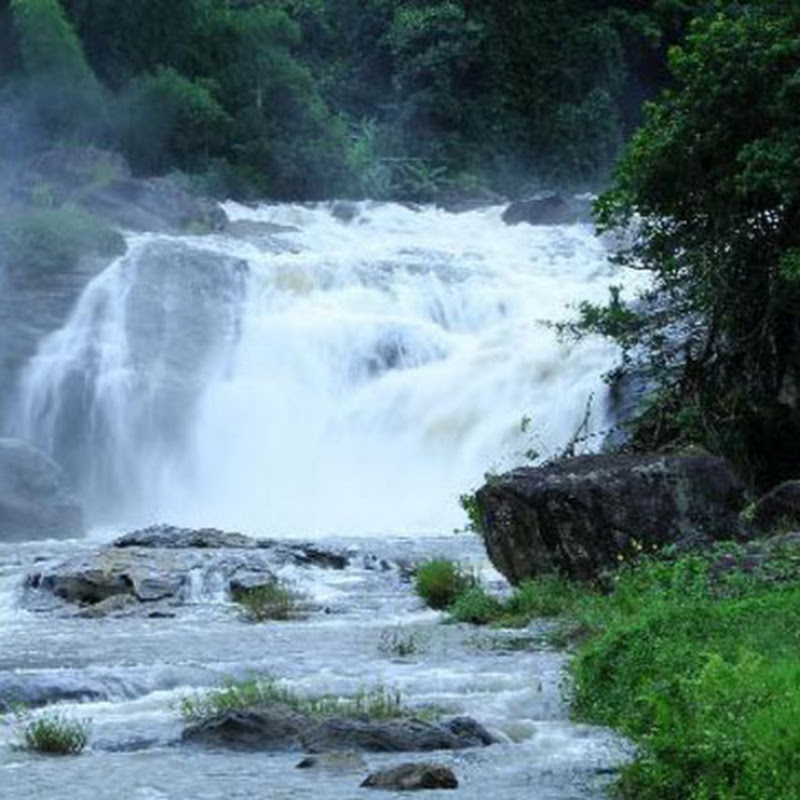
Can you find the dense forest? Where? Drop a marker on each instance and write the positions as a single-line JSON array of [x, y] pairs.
[[316, 98]]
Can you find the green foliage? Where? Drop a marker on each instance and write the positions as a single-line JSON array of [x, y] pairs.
[[268, 601], [475, 606], [167, 121], [696, 659], [714, 183], [52, 733], [51, 239], [62, 91], [439, 582], [252, 694]]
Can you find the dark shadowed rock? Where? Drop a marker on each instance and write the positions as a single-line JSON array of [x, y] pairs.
[[779, 507], [344, 210], [34, 502], [388, 736], [546, 209], [580, 516], [412, 777], [278, 727]]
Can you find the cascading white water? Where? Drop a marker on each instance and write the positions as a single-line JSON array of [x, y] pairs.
[[353, 377]]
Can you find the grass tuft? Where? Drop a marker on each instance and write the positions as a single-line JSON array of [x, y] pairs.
[[268, 601], [52, 733], [440, 582]]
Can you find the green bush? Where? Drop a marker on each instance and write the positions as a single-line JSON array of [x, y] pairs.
[[476, 607], [700, 665], [439, 582], [274, 600], [53, 239], [52, 733]]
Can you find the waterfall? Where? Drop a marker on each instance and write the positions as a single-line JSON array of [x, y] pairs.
[[313, 375]]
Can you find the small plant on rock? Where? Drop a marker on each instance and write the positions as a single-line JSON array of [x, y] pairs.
[[267, 601], [52, 733]]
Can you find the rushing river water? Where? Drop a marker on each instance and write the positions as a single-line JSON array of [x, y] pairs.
[[308, 377]]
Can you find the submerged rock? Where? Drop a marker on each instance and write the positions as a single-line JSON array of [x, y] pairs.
[[34, 501], [335, 761], [412, 777], [580, 516]]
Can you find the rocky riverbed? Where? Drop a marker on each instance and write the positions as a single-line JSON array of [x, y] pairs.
[[128, 666]]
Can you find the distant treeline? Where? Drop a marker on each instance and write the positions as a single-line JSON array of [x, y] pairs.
[[315, 98]]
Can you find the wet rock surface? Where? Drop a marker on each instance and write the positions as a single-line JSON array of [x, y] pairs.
[[163, 565], [34, 501], [548, 209], [580, 516], [278, 727], [413, 777]]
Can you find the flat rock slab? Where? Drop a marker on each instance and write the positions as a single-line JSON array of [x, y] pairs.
[[413, 777], [164, 565]]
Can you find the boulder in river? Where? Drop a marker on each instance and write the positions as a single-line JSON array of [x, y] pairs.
[[412, 777], [278, 727], [580, 516], [549, 208], [165, 564], [34, 501]]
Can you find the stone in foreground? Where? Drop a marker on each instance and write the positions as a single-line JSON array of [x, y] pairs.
[[412, 777], [580, 516]]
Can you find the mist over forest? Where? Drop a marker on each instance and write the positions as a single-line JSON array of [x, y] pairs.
[[310, 99]]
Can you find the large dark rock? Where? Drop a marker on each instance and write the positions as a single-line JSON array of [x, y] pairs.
[[548, 209], [779, 507], [580, 516], [34, 502], [390, 736], [412, 777], [174, 538], [278, 727]]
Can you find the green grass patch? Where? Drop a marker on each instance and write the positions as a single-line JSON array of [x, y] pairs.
[[52, 733], [268, 601], [378, 702], [698, 661], [53, 239], [440, 582]]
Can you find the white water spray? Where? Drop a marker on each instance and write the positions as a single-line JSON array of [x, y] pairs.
[[357, 380]]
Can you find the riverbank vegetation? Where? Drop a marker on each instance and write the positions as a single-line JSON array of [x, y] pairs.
[[696, 658], [307, 99]]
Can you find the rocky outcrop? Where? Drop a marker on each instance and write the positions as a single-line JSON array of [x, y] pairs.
[[412, 777], [101, 182], [580, 516], [278, 727], [167, 566], [549, 209], [34, 502], [779, 507]]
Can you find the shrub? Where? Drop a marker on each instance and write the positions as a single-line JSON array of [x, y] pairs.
[[439, 582], [476, 606], [53, 733], [272, 600]]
